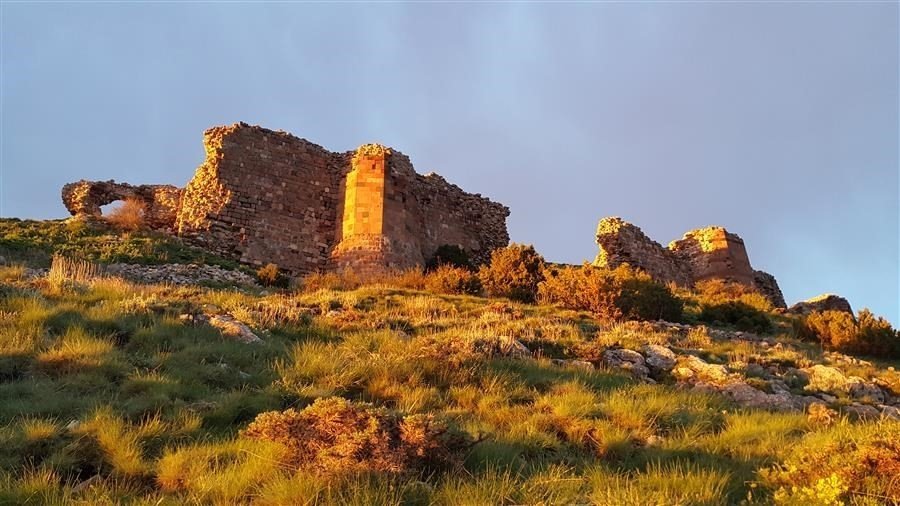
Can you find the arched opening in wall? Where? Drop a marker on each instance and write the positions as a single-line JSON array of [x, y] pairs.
[[126, 214]]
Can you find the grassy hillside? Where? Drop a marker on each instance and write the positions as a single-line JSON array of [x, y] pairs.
[[119, 393], [33, 243], [109, 395]]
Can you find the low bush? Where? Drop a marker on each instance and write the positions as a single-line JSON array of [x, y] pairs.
[[452, 280], [618, 294], [739, 315], [839, 331], [334, 437], [270, 275], [514, 272], [129, 216], [713, 292], [847, 463], [449, 254]]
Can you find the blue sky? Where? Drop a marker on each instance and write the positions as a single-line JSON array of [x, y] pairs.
[[776, 120]]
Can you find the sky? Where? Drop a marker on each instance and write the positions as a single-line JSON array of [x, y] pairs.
[[778, 121]]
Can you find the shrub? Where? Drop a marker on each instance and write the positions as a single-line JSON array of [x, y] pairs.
[[838, 330], [717, 291], [452, 280], [269, 275], [334, 436], [736, 314], [621, 293], [129, 216], [844, 461], [449, 254], [342, 280], [514, 272]]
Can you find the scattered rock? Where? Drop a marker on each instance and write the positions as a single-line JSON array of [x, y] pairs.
[[714, 373], [892, 412], [231, 327], [658, 358], [513, 348], [627, 360], [747, 396], [180, 274], [861, 390], [822, 378], [862, 411], [824, 302]]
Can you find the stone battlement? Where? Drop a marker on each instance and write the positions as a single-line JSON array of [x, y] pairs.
[[267, 196]]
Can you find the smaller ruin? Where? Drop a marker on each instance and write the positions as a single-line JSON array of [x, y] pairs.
[[161, 202], [706, 253]]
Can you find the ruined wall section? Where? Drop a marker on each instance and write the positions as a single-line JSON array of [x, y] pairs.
[[161, 202], [264, 196], [706, 253], [452, 216], [713, 252], [623, 243], [418, 215]]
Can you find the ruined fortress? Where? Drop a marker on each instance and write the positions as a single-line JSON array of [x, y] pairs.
[[705, 253], [264, 196]]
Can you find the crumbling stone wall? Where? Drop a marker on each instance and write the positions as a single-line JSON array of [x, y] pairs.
[[623, 243], [161, 202], [706, 253], [713, 252], [263, 196]]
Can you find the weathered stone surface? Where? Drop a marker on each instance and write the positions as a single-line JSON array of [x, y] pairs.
[[714, 253], [826, 379], [707, 253], [179, 274], [713, 373], [824, 302], [229, 326], [161, 202], [263, 196], [659, 358], [627, 360], [766, 284]]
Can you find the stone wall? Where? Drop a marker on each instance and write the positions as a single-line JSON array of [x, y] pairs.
[[263, 196], [161, 202], [706, 253]]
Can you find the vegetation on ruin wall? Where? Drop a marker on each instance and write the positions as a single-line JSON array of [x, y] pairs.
[[33, 243], [108, 395]]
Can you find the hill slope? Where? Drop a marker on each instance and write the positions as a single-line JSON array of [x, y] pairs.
[[118, 392]]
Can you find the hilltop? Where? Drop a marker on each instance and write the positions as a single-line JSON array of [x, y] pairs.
[[137, 369]]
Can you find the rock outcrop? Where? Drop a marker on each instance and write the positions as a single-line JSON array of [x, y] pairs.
[[825, 302], [263, 196], [706, 253], [161, 202]]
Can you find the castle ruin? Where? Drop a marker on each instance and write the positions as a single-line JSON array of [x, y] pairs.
[[265, 196], [705, 253]]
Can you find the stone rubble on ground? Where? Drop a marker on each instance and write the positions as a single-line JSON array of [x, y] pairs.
[[180, 274], [815, 389], [228, 325]]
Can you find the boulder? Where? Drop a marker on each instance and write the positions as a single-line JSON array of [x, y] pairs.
[[627, 360], [860, 390], [825, 302], [658, 358], [822, 378], [713, 373]]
